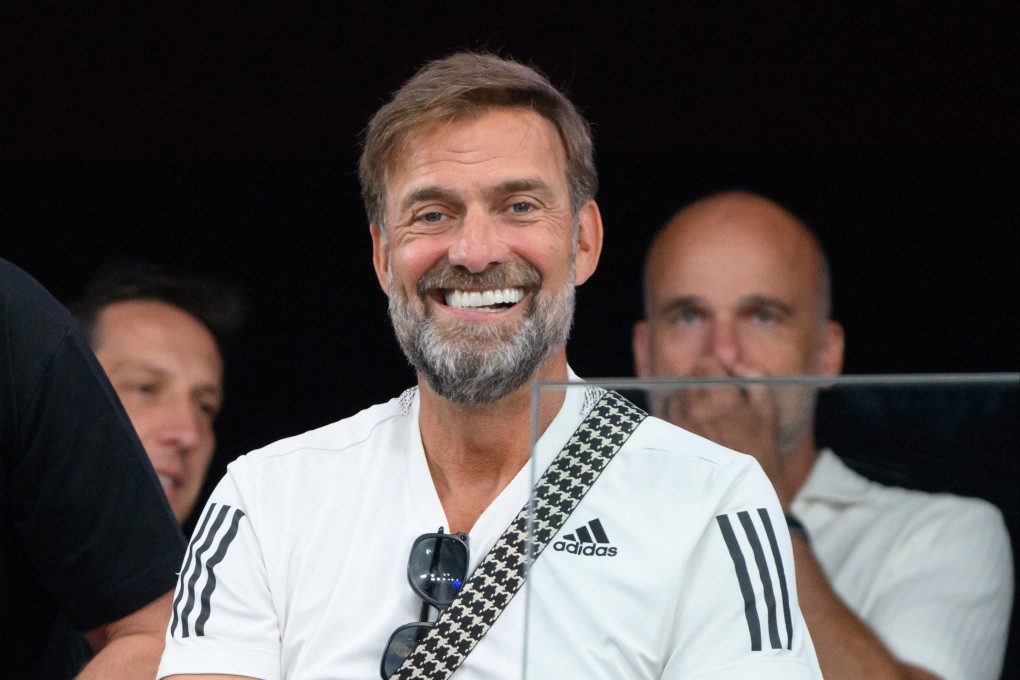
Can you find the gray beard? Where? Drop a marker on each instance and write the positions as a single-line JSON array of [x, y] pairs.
[[470, 363]]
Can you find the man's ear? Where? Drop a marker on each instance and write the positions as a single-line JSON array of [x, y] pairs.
[[831, 360], [589, 242], [380, 256], [639, 346]]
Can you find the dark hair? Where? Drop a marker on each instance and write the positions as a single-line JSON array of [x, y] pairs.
[[216, 304], [464, 86]]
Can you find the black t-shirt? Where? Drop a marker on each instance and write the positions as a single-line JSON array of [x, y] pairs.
[[84, 526]]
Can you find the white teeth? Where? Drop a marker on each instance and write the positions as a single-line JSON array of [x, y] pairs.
[[465, 299]]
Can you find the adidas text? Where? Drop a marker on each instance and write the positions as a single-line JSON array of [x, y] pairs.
[[588, 550]]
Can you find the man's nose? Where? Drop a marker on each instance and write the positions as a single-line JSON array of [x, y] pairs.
[[724, 343], [182, 422], [478, 243]]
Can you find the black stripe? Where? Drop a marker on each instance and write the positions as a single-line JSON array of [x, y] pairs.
[[187, 565], [767, 522], [766, 576], [583, 536], [740, 566], [190, 604], [598, 531], [210, 566]]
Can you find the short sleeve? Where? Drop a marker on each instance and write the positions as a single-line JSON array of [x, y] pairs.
[[224, 619], [739, 606]]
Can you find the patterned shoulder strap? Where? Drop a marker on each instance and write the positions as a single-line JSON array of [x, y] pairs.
[[501, 573]]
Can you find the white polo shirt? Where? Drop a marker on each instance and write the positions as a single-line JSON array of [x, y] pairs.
[[930, 574]]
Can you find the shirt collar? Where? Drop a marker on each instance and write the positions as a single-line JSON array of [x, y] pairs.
[[832, 480]]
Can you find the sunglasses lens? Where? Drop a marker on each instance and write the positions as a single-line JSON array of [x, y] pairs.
[[401, 644], [437, 567]]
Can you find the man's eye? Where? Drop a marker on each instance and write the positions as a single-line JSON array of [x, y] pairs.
[[431, 217], [521, 207], [764, 316], [686, 316], [209, 409]]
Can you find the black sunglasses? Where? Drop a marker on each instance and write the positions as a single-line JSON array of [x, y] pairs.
[[436, 570]]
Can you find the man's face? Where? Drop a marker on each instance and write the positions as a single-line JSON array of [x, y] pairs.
[[735, 293], [167, 371], [480, 255]]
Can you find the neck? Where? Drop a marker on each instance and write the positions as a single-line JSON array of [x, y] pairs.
[[475, 450]]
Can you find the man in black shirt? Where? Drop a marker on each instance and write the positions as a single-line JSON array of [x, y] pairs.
[[86, 529]]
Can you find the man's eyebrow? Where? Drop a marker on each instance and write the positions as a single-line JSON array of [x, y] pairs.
[[680, 302], [209, 389], [758, 301], [141, 367], [438, 193], [428, 193], [513, 186]]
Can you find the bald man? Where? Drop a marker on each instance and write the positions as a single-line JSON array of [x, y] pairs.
[[893, 583]]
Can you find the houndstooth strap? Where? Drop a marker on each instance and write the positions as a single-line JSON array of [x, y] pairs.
[[502, 572]]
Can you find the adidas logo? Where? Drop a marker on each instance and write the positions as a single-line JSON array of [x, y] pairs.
[[588, 539]]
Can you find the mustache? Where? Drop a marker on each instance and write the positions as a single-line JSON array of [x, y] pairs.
[[513, 274]]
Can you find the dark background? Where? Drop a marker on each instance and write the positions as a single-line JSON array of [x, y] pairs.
[[223, 139]]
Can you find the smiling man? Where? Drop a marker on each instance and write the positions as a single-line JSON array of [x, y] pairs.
[[158, 335], [319, 555]]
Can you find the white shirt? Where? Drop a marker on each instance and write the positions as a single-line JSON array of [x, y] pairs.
[[930, 574], [305, 576]]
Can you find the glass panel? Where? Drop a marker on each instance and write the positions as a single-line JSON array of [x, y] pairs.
[[910, 509]]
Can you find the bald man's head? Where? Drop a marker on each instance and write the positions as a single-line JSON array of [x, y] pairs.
[[736, 286], [737, 214]]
